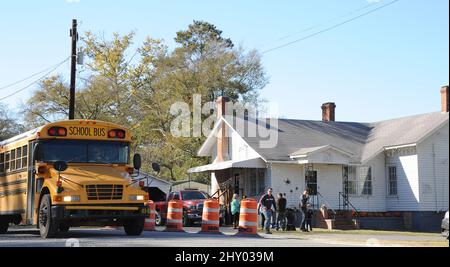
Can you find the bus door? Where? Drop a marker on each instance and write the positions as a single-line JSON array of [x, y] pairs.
[[31, 191]]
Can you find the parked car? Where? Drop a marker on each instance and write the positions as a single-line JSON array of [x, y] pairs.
[[193, 201], [444, 226]]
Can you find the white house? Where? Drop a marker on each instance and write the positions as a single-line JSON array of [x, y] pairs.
[[157, 188], [186, 185], [394, 173]]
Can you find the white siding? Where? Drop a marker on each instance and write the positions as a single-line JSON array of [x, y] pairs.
[[329, 183], [328, 157], [214, 184], [377, 201], [280, 173], [408, 197], [433, 171], [329, 179], [240, 150]]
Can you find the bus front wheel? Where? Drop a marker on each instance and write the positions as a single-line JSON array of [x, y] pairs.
[[4, 224], [134, 227], [64, 228], [48, 227]]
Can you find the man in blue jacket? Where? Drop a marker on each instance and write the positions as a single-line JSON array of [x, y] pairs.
[[269, 207]]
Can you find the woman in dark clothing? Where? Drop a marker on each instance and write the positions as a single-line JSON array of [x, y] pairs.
[[309, 215], [304, 208], [281, 215]]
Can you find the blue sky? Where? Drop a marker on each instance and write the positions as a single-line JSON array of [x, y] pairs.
[[388, 64]]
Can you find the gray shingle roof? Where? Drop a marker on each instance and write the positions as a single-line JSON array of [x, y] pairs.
[[363, 140]]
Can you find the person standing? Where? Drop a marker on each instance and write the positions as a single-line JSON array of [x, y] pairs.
[[281, 216], [260, 213], [304, 208], [309, 215], [268, 206], [235, 209]]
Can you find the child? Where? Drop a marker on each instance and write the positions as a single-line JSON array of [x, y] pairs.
[[309, 215], [263, 219]]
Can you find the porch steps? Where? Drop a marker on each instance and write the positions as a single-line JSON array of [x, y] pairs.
[[343, 220]]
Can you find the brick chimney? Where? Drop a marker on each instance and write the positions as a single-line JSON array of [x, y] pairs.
[[444, 99], [328, 112], [222, 139]]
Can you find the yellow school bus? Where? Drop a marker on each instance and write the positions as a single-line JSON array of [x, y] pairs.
[[68, 174]]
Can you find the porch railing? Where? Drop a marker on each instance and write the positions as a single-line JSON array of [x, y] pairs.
[[219, 195], [345, 203]]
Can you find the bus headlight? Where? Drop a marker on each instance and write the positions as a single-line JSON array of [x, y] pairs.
[[137, 198], [71, 199]]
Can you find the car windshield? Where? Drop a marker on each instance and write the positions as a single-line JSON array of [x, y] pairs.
[[77, 151], [193, 195]]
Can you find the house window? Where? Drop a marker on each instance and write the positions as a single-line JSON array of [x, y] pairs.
[[253, 183], [261, 181], [392, 181], [365, 181], [350, 181]]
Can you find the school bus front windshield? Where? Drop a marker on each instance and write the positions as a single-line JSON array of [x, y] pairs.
[[85, 151]]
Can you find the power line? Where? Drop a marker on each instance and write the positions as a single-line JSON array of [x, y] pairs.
[[330, 28], [328, 21], [27, 78], [36, 81]]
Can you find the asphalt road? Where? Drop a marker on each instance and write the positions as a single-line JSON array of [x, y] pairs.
[[26, 237], [97, 237]]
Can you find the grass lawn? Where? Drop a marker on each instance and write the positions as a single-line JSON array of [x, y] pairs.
[[371, 238], [357, 232]]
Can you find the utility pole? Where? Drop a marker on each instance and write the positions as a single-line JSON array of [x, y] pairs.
[[73, 71]]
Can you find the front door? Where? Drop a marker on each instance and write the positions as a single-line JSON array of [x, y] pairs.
[[311, 182], [31, 190], [237, 184], [345, 186]]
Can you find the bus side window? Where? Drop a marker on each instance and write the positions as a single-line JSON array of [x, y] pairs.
[[7, 162], [19, 158], [13, 160], [24, 157], [2, 163]]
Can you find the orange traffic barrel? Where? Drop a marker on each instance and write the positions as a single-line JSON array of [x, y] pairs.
[[150, 222], [211, 217], [248, 219], [174, 222]]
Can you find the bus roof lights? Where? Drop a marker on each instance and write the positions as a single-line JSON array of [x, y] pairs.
[[112, 134], [62, 132], [57, 132], [117, 134]]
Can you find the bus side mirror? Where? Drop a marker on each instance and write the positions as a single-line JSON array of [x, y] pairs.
[[60, 166], [137, 161], [38, 153], [156, 167]]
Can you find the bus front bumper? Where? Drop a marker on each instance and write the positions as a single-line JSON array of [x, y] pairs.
[[98, 215]]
